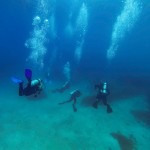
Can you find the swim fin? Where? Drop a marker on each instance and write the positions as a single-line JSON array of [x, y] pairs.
[[16, 80], [28, 74], [109, 109]]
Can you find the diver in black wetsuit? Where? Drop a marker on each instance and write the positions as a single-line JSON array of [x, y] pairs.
[[73, 97], [33, 87], [102, 94]]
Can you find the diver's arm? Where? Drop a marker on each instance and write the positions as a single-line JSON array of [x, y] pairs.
[[74, 100]]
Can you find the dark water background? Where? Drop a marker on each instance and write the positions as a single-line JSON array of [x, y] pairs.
[[132, 56]]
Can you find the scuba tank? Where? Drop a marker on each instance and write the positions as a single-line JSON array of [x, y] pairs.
[[35, 82], [104, 88], [75, 93]]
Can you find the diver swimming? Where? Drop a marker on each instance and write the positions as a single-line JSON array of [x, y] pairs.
[[102, 94], [33, 87], [74, 94]]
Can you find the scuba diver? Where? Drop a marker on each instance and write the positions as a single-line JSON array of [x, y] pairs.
[[34, 87], [63, 88], [102, 94], [74, 94]]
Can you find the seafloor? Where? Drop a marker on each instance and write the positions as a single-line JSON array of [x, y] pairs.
[[41, 124]]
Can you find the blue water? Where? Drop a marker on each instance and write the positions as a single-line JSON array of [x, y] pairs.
[[133, 53], [71, 39]]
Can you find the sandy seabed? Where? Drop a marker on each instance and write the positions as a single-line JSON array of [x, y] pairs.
[[41, 124]]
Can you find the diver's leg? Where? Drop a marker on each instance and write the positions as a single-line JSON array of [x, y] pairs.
[[98, 99], [104, 99], [109, 109], [73, 105], [21, 89], [95, 104]]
